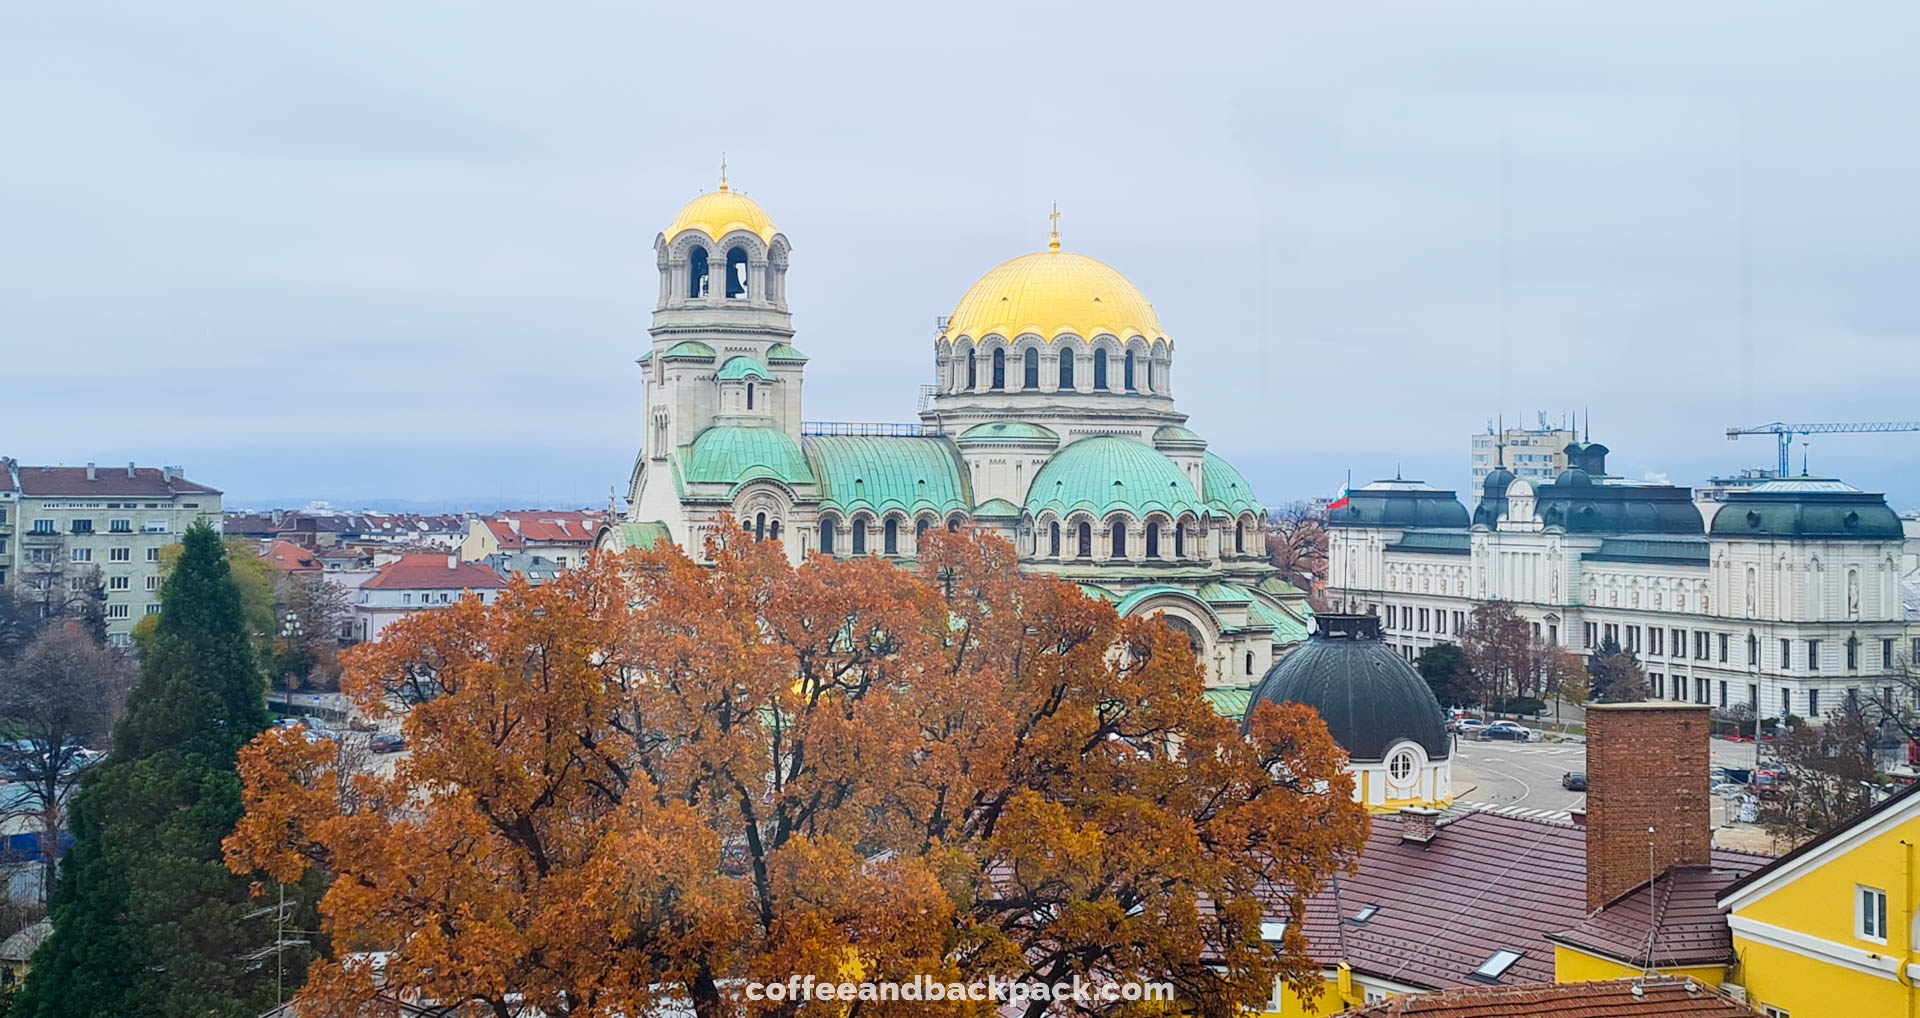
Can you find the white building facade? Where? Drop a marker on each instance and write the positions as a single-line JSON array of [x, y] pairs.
[[1787, 598]]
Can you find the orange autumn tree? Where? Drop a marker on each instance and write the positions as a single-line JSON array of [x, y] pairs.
[[640, 784]]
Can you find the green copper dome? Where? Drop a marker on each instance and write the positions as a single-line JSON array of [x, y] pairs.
[[1177, 436], [1224, 488], [691, 350], [1008, 432], [743, 367], [727, 454], [784, 352], [1108, 473]]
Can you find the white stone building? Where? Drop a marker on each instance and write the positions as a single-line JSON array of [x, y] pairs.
[[419, 582], [1787, 599]]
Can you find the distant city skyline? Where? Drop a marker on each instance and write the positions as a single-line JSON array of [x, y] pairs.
[[312, 254]]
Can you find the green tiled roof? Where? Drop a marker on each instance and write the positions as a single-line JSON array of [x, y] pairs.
[[1107, 473], [645, 358], [1220, 593], [1229, 701], [865, 472], [727, 454], [1224, 488], [743, 367], [996, 507], [1135, 597], [1007, 431], [691, 350], [1650, 549], [784, 352], [1435, 542], [1174, 434], [644, 535], [1286, 628], [1098, 593]]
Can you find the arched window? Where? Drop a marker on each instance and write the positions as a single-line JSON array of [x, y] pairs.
[[891, 537], [1053, 539], [1853, 653], [1239, 538], [773, 530], [1150, 375], [1100, 370], [760, 527], [1128, 372], [973, 371], [1753, 651], [1119, 532], [859, 537], [953, 523], [1249, 662], [1086, 540], [749, 395], [999, 369], [919, 530], [697, 272], [1153, 540], [736, 273], [1179, 540], [1066, 369], [1030, 372], [826, 536]]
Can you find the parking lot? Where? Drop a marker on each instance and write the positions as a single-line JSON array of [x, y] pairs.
[[1526, 776]]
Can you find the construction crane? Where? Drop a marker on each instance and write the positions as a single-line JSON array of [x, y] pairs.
[[1786, 432]]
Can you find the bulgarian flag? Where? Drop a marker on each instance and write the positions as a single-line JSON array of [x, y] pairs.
[[1340, 502]]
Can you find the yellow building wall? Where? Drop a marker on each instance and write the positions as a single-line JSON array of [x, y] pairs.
[[1574, 966], [1821, 902], [1333, 999]]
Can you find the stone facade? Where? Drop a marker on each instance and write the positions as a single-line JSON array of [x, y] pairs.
[[1055, 428]]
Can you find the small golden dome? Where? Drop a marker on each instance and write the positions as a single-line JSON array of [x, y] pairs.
[[1052, 292], [718, 213]]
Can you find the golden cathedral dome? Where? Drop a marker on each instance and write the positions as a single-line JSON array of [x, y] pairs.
[[718, 213], [1051, 292]]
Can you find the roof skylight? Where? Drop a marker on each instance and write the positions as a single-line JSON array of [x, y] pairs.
[[1493, 968]]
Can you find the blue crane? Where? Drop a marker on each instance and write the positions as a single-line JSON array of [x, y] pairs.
[[1786, 432]]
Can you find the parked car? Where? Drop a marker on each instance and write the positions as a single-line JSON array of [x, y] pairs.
[[386, 742], [1574, 781], [1468, 727], [1511, 731]]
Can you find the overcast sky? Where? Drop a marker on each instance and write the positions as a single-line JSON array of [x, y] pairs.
[[404, 250]]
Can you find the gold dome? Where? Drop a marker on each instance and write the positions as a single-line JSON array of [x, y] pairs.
[[718, 213], [1051, 292]]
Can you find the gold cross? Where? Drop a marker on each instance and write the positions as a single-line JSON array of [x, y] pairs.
[[1055, 218], [723, 171]]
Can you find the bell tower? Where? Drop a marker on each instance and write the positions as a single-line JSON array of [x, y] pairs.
[[722, 351]]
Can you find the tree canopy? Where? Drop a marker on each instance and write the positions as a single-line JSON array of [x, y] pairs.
[[147, 920], [649, 778]]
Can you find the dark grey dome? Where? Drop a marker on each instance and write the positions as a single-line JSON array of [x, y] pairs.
[[1369, 696]]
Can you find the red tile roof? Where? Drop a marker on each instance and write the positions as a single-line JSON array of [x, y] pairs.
[[289, 557], [1614, 998], [431, 572], [107, 481], [566, 527], [1485, 882]]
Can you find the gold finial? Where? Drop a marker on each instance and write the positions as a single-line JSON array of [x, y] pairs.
[[1054, 243], [723, 171]]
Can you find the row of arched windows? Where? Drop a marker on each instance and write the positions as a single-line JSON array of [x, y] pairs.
[[1133, 370], [857, 533], [700, 280]]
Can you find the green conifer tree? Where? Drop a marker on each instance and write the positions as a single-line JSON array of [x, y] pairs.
[[147, 920]]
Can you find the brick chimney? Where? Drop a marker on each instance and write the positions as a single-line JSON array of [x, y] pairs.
[[1647, 768], [1418, 824]]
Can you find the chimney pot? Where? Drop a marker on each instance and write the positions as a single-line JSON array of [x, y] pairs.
[[1418, 824], [130, 471], [91, 475], [453, 561]]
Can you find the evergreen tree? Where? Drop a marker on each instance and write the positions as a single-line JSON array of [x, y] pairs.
[[147, 920]]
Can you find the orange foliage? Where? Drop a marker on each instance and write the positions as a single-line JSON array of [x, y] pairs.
[[651, 779]]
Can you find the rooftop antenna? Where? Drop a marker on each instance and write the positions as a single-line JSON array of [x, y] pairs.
[[1803, 459], [1500, 445], [1053, 243], [1589, 429]]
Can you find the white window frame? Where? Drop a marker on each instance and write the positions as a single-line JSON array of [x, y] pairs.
[[1869, 923]]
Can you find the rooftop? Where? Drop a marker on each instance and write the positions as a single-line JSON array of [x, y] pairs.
[[93, 481], [1613, 998], [433, 572]]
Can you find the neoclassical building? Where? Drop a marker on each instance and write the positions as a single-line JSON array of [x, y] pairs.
[[1785, 596], [1051, 422]]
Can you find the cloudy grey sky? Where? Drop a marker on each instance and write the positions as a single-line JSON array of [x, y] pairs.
[[404, 250]]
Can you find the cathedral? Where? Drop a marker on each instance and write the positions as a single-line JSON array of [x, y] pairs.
[[1051, 422]]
